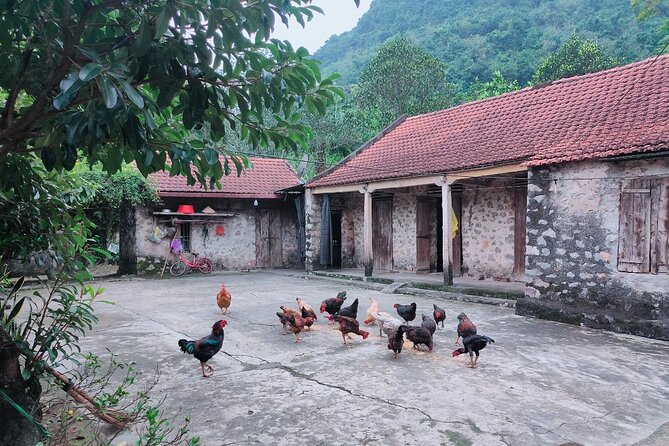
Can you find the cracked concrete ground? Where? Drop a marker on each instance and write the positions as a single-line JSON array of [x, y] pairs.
[[541, 383]]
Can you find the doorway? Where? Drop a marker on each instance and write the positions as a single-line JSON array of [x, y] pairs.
[[382, 240], [335, 248], [268, 239]]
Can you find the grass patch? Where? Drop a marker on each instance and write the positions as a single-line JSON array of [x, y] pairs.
[[336, 275], [466, 290]]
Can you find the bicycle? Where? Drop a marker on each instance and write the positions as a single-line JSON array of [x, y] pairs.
[[203, 264]]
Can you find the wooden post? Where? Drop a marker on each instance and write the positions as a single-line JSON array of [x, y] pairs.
[[447, 245], [367, 231]]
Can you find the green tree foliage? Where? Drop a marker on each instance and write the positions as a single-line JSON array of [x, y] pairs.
[[119, 81], [476, 37], [45, 214], [654, 10], [575, 57], [494, 87], [403, 79]]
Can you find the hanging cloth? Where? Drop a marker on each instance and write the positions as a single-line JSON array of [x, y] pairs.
[[301, 238], [326, 232], [454, 223]]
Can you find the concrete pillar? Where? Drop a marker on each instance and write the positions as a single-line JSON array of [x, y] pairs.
[[368, 256], [447, 245]]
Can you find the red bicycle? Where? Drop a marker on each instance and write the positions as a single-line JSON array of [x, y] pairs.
[[203, 264]]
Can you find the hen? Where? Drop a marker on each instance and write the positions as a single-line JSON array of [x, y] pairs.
[[465, 327], [406, 312], [333, 304], [292, 321], [373, 308], [350, 311], [439, 315], [429, 323], [472, 345], [396, 341], [350, 325], [223, 299], [387, 324], [205, 348], [309, 318], [308, 309], [419, 335]]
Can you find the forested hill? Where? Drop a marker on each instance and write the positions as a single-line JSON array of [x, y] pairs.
[[476, 37]]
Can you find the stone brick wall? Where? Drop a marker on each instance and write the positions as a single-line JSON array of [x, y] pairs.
[[312, 222], [404, 229], [487, 228], [572, 251], [234, 250]]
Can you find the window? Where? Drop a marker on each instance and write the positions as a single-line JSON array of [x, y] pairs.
[[643, 242], [185, 237]]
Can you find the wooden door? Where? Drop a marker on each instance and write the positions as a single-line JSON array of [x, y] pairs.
[[520, 207], [268, 239], [422, 236], [335, 218], [382, 243]]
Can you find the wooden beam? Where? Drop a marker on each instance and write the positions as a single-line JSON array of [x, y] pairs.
[[485, 172], [367, 234], [335, 189], [447, 227], [404, 182]]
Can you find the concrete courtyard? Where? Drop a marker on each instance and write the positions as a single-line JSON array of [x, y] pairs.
[[541, 383]]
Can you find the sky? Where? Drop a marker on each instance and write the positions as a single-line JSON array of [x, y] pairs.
[[339, 16]]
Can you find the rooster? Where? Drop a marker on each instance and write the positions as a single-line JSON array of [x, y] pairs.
[[472, 345], [419, 335], [439, 315], [429, 324], [465, 327], [333, 304], [223, 299], [306, 309], [205, 348], [350, 311], [396, 341], [406, 312], [350, 325], [387, 324], [292, 321]]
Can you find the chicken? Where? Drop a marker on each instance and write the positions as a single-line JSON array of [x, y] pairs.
[[465, 327], [429, 323], [309, 318], [308, 309], [350, 325], [406, 312], [419, 335], [292, 321], [439, 315], [396, 341], [223, 299], [205, 348], [373, 308], [350, 311], [387, 324], [333, 304], [472, 345]]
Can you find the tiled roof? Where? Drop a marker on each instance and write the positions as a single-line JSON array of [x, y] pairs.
[[623, 110], [266, 176]]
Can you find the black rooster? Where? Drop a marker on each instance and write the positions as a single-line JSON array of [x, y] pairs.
[[473, 344], [406, 312], [205, 348], [429, 323], [465, 327], [350, 311], [333, 304]]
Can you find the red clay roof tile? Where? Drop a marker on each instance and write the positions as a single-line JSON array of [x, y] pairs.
[[623, 110], [266, 176]]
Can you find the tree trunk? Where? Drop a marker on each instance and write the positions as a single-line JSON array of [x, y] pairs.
[[15, 429], [127, 257]]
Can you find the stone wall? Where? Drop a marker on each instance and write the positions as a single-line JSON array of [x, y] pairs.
[[234, 250], [487, 227], [572, 251], [352, 210], [313, 205]]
